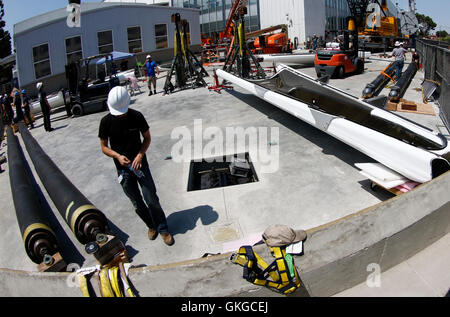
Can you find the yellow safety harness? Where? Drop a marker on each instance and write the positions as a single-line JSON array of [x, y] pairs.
[[278, 276], [112, 281]]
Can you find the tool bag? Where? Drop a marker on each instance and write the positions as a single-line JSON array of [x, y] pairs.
[[279, 276]]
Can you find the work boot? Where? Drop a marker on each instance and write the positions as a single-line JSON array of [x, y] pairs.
[[152, 234], [154, 91], [168, 239], [150, 93]]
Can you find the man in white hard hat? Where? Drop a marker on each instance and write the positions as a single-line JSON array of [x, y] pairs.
[[399, 53], [151, 69], [45, 107], [122, 128]]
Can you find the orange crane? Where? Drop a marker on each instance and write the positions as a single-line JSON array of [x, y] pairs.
[[267, 43], [229, 24]]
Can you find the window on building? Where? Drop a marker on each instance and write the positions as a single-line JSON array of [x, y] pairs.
[[161, 36], [74, 51], [134, 39], [105, 42], [41, 61]]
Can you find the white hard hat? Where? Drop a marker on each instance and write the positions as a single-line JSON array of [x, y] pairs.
[[397, 43], [148, 56], [118, 101], [38, 86]]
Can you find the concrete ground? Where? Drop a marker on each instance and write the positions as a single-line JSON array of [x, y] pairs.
[[316, 181], [423, 275]]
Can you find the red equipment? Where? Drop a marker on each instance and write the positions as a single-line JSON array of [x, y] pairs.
[[218, 87]]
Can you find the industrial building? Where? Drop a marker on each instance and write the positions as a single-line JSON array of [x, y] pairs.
[[45, 44]]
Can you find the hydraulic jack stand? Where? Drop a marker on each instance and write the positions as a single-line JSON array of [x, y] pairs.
[[185, 64], [239, 58], [218, 87]]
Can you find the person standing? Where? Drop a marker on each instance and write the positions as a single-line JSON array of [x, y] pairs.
[[151, 69], [26, 108], [45, 107], [399, 53], [18, 107], [120, 138], [9, 112], [3, 120], [315, 39]]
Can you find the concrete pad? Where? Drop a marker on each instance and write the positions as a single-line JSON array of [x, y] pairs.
[[431, 265], [400, 281], [316, 181], [423, 275]]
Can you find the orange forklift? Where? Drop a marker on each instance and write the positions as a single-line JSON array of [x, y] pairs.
[[345, 60]]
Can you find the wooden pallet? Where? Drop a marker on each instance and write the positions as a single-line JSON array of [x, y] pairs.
[[411, 106], [395, 191]]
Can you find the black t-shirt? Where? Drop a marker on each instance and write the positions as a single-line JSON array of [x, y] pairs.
[[43, 101], [8, 107], [124, 134], [26, 102], [18, 106]]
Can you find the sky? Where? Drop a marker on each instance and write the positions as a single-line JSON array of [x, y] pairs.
[[19, 10]]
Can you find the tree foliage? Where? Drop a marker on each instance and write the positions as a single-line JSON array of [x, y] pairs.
[[427, 24], [5, 37], [5, 46], [442, 34]]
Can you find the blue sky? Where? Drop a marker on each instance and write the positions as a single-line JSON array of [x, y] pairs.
[[18, 10], [438, 10]]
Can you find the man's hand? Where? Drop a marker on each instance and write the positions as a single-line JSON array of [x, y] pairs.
[[123, 160], [137, 163]]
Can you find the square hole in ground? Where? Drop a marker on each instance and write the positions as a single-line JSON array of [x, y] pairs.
[[222, 171]]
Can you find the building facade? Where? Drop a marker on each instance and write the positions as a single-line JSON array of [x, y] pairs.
[[304, 18], [336, 12], [214, 13], [155, 2], [45, 44]]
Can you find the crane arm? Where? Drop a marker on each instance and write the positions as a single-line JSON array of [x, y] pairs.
[[237, 4]]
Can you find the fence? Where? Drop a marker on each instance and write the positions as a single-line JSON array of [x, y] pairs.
[[435, 57]]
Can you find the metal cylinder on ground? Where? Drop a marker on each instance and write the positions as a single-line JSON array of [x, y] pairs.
[[84, 219], [399, 89], [376, 86], [88, 224], [39, 239]]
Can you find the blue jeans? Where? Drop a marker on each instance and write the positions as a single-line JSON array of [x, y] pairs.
[[149, 211], [398, 68]]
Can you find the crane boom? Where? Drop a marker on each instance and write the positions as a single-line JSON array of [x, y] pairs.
[[358, 10], [237, 4]]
